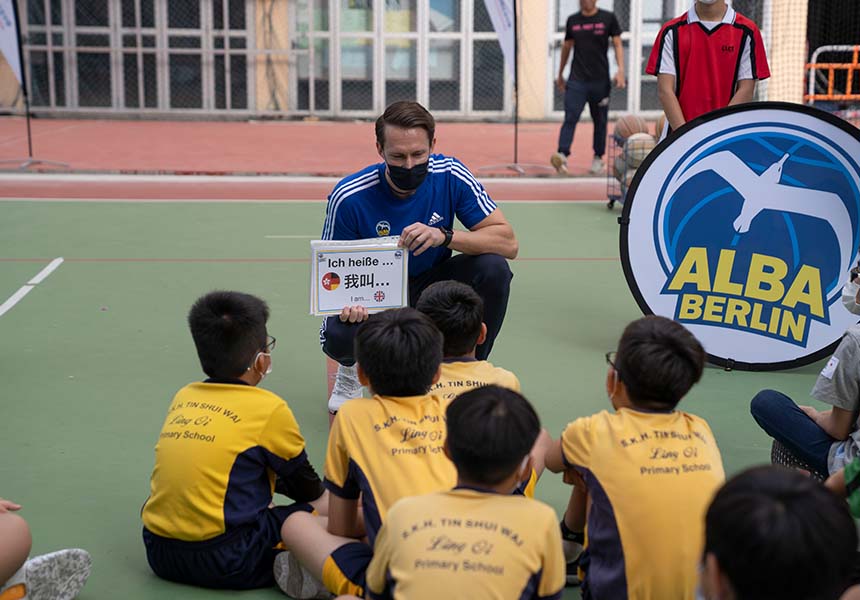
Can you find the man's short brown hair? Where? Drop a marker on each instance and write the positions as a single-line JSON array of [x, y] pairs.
[[408, 115]]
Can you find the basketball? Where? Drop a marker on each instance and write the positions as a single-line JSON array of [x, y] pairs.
[[628, 125], [660, 125], [636, 148]]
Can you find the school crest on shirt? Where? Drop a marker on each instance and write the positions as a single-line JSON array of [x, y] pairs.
[[383, 228], [743, 228]]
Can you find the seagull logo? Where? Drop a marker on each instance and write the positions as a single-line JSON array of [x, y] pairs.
[[763, 192]]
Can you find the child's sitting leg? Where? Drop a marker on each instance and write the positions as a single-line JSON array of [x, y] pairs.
[[319, 561], [573, 525], [55, 576], [15, 541], [399, 431]]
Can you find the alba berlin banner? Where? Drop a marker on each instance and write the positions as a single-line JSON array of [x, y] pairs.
[[744, 227]]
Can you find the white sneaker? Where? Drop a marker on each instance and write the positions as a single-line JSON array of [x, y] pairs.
[[559, 163], [346, 387], [56, 576], [296, 581], [597, 166]]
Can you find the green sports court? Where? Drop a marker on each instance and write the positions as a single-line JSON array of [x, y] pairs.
[[93, 354], [191, 146]]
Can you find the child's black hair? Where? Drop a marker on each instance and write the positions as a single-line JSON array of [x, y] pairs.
[[491, 430], [400, 351], [458, 312], [229, 329]]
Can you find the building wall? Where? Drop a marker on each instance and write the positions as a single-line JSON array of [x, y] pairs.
[[272, 72], [533, 58], [787, 50]]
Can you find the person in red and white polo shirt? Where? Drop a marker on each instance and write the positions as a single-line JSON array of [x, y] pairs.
[[708, 58]]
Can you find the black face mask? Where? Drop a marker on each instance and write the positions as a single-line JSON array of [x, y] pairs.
[[408, 179]]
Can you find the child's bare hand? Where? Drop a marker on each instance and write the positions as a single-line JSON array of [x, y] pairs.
[[353, 314], [7, 505], [810, 411]]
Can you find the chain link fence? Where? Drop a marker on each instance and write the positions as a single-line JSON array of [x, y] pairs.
[[344, 58], [262, 57]]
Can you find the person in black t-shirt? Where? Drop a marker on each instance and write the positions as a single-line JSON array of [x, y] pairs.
[[587, 33]]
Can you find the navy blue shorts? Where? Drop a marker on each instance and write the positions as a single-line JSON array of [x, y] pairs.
[[239, 559], [345, 570]]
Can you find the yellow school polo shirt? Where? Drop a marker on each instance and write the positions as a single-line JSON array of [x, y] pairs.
[[386, 448], [216, 459], [650, 477], [469, 543], [462, 375]]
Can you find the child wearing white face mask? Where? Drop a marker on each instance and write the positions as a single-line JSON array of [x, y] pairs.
[[648, 470], [225, 447]]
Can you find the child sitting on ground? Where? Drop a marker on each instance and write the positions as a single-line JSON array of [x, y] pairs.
[[649, 470], [458, 311], [476, 540], [773, 533], [226, 446], [380, 449]]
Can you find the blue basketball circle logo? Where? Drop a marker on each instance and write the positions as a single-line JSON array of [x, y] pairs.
[[752, 216]]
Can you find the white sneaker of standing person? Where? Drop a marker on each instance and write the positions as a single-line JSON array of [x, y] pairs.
[[597, 166], [346, 387], [296, 581], [59, 575]]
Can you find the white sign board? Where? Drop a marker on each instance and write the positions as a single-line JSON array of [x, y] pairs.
[[373, 273]]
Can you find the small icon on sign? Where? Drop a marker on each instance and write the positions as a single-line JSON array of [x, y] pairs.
[[379, 296], [331, 281]]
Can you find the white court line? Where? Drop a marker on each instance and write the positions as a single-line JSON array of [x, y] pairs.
[[26, 289], [117, 178], [41, 275], [14, 299]]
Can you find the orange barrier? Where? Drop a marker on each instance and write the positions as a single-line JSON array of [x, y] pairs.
[[831, 69]]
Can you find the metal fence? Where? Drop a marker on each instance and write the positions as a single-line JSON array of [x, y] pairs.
[[262, 57], [327, 58]]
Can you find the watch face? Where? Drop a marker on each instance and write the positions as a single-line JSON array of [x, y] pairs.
[[449, 234]]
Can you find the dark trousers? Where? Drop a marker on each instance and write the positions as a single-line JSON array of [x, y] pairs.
[[488, 274], [241, 559], [576, 95], [783, 420]]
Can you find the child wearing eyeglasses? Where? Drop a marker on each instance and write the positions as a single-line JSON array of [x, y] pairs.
[[648, 470], [225, 447]]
